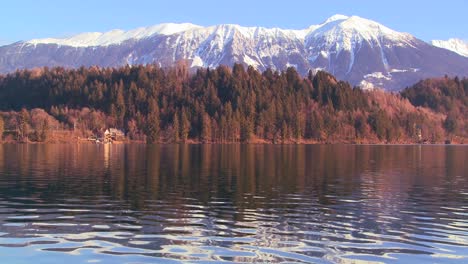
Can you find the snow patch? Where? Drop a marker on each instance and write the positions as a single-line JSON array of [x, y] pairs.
[[291, 65], [378, 75], [324, 54], [384, 58], [351, 59], [365, 85], [249, 61], [456, 45], [315, 70], [398, 70], [404, 70], [197, 62]]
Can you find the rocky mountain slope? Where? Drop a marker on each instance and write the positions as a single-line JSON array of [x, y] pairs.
[[355, 49]]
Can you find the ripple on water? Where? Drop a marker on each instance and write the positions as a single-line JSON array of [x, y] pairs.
[[322, 206]]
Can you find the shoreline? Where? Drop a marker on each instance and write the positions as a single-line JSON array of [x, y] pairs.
[[74, 140], [236, 143]]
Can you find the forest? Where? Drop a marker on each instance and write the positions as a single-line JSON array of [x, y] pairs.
[[225, 105]]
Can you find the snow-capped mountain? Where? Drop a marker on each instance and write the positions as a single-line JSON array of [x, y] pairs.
[[355, 49], [115, 37], [456, 45]]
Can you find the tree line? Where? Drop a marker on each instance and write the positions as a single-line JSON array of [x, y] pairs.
[[444, 95], [222, 104]]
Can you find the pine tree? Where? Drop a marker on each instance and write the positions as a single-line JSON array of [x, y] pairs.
[[284, 131], [246, 129], [120, 105], [360, 126], [450, 123], [24, 125], [185, 126], [206, 128], [175, 128], [299, 125], [2, 128], [44, 130], [152, 122], [380, 123]]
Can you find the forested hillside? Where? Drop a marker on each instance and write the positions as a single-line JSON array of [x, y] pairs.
[[223, 105], [445, 95]]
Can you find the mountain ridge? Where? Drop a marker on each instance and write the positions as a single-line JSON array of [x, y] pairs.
[[453, 44], [355, 49], [117, 36]]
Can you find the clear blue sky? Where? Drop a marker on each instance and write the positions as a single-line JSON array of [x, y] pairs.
[[27, 19]]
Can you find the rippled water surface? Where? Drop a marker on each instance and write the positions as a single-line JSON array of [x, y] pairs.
[[237, 203]]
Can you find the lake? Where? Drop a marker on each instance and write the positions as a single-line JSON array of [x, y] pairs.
[[235, 203]]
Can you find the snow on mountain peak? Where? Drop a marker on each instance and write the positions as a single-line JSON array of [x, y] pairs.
[[366, 28], [335, 18], [347, 32], [456, 45], [115, 36], [336, 28]]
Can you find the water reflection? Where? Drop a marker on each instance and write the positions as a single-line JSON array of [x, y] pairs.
[[241, 203]]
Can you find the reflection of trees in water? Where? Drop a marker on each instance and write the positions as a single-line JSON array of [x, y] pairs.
[[230, 171], [246, 175], [276, 190]]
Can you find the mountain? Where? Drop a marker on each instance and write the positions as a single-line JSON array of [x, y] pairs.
[[354, 49], [456, 45]]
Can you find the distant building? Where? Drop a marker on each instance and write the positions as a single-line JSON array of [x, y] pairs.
[[419, 134], [113, 134]]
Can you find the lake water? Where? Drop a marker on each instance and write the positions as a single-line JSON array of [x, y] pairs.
[[237, 203]]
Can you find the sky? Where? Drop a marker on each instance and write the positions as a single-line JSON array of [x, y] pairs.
[[28, 19]]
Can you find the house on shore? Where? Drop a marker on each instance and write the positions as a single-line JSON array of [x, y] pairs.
[[113, 134]]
